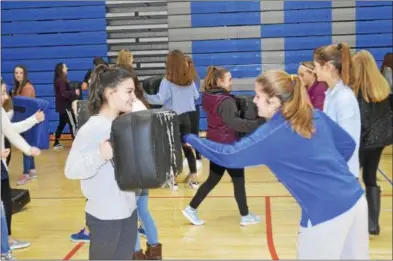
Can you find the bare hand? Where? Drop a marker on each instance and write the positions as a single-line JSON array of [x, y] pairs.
[[40, 116], [106, 150], [77, 92], [35, 151], [5, 153]]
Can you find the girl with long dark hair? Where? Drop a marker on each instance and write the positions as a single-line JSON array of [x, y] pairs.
[[64, 96]]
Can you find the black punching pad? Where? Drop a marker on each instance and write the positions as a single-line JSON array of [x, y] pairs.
[[82, 111], [146, 148], [20, 198], [151, 86], [247, 109], [76, 86]]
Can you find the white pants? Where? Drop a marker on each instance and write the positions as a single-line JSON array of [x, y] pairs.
[[344, 237]]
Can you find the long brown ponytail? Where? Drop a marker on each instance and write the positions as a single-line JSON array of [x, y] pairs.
[[296, 106], [339, 55]]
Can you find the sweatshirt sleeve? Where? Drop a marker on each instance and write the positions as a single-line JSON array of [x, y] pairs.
[[13, 136], [250, 151], [344, 143], [162, 96], [84, 158], [25, 125], [229, 114]]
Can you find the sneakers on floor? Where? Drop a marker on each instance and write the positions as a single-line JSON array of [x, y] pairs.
[[81, 236], [7, 256], [18, 244], [58, 146], [23, 180], [192, 216], [250, 219]]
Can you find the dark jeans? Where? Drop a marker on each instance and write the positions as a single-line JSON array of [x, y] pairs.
[[369, 161], [112, 239], [215, 175]]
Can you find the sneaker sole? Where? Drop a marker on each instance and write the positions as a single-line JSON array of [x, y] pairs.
[[250, 223], [185, 214], [81, 241]]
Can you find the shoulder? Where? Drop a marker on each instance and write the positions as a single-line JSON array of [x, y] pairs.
[[29, 85], [138, 106]]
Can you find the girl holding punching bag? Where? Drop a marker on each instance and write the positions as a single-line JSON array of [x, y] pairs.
[[224, 124], [178, 92], [110, 212], [308, 152]]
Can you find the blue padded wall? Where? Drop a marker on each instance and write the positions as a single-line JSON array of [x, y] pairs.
[[40, 34]]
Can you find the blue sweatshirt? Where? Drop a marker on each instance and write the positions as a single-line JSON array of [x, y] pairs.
[[314, 171], [180, 99]]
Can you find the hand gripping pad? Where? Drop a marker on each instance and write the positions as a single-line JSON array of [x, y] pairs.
[[24, 107], [146, 148]]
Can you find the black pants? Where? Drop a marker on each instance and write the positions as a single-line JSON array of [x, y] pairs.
[[195, 117], [112, 239], [185, 123], [369, 161], [6, 197], [7, 145], [67, 117], [215, 175]]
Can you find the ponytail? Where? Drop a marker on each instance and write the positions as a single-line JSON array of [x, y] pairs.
[[104, 77], [346, 62], [213, 74], [296, 106], [298, 109]]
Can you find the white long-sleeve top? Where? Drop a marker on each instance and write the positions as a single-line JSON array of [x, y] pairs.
[[105, 200], [12, 130]]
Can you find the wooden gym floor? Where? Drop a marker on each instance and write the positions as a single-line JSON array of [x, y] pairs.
[[57, 209]]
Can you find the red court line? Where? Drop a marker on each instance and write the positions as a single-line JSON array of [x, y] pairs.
[[73, 251], [269, 229]]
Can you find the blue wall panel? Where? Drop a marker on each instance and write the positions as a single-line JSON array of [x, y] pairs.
[[40, 34]]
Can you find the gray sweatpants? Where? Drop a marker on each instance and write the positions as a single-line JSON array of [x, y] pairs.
[[112, 239]]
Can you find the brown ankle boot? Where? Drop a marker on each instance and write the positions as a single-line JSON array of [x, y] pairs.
[[139, 255], [154, 252]]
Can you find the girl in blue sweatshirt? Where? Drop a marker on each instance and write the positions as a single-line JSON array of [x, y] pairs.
[[308, 152]]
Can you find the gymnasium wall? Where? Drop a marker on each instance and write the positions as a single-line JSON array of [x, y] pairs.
[[248, 37], [40, 34]]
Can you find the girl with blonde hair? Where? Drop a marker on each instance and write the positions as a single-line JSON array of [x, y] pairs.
[[372, 91]]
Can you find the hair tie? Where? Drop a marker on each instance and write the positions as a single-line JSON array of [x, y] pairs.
[[339, 47]]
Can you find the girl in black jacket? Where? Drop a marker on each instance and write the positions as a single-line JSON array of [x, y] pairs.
[[372, 91]]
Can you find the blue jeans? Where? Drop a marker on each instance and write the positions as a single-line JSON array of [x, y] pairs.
[[5, 247], [28, 164], [147, 220]]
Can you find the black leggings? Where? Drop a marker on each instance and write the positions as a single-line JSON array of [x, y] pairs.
[[185, 122], [215, 175], [369, 161], [6, 197], [67, 117]]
